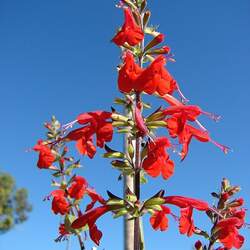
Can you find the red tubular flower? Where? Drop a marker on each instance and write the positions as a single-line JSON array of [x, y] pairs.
[[95, 197], [63, 233], [158, 39], [95, 234], [227, 233], [62, 230], [128, 73], [46, 158], [240, 214], [158, 220], [187, 134], [95, 123], [155, 78], [130, 32], [139, 121], [59, 203], [186, 223], [89, 218], [189, 112], [77, 188], [98, 121], [84, 140], [183, 202], [157, 161], [177, 127]]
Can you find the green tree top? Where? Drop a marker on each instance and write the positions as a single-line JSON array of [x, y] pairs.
[[14, 204]]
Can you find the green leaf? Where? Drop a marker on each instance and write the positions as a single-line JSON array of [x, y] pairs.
[[116, 154], [57, 174], [143, 179], [118, 202], [120, 213], [120, 101], [131, 198], [154, 207], [153, 124], [154, 201]]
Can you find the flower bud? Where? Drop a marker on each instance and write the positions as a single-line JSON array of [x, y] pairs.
[[131, 150], [198, 245], [161, 51], [233, 190], [158, 39], [143, 5], [146, 18], [136, 18], [225, 196], [129, 3], [236, 203], [118, 117], [225, 184], [47, 125]]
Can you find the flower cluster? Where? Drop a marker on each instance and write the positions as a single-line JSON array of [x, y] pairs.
[[72, 188], [142, 72], [227, 218]]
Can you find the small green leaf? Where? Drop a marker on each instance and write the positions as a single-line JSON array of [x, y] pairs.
[[118, 202], [120, 213], [131, 198], [117, 154], [154, 201], [154, 207]]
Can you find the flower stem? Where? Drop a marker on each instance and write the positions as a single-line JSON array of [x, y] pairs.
[[211, 244], [137, 184], [128, 183]]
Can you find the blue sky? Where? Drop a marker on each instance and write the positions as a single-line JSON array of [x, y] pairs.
[[56, 58]]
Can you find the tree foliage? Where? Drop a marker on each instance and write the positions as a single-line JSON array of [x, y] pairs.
[[14, 205]]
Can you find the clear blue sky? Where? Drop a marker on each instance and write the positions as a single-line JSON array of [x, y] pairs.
[[56, 58]]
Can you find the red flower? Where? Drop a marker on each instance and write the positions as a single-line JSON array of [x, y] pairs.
[[96, 123], [95, 197], [128, 74], [186, 223], [139, 122], [188, 112], [62, 230], [187, 134], [46, 158], [157, 161], [84, 140], [155, 78], [63, 233], [183, 202], [158, 220], [77, 188], [89, 218], [177, 124], [227, 233], [240, 214], [130, 32], [59, 203]]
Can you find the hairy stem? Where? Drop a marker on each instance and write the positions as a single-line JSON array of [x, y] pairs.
[[211, 244], [128, 183], [137, 184]]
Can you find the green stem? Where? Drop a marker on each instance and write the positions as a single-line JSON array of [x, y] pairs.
[[137, 184]]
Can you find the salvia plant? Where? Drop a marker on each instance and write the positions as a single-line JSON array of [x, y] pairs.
[[142, 71]]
